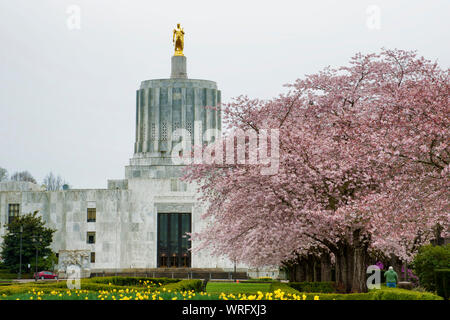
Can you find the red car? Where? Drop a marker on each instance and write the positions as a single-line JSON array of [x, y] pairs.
[[45, 275]]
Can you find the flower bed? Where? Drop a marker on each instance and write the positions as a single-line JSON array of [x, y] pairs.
[[175, 289]]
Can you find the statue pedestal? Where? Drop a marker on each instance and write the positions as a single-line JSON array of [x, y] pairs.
[[74, 264], [178, 70]]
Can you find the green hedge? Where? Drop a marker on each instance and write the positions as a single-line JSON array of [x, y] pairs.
[[184, 285], [284, 287], [7, 275], [101, 283], [339, 296], [23, 288], [442, 279], [58, 286], [382, 294], [402, 294], [324, 287], [131, 281], [262, 279]]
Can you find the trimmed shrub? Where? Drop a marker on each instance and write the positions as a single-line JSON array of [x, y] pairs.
[[286, 288], [340, 296], [442, 280], [283, 287], [23, 288], [323, 287], [7, 275], [263, 279], [131, 281], [401, 294], [95, 284], [427, 260], [382, 294], [184, 285]]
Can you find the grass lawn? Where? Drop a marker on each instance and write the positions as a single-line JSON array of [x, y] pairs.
[[235, 288]]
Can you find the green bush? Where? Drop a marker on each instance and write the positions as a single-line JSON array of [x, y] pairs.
[[442, 280], [218, 287], [323, 287], [382, 294], [6, 275], [284, 287], [131, 281], [427, 260], [263, 279], [340, 296], [101, 283], [402, 294], [110, 283], [184, 285], [23, 288]]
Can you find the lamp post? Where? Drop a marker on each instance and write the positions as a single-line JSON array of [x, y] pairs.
[[235, 270], [37, 240], [20, 253]]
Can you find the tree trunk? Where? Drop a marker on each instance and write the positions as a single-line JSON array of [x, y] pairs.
[[299, 272], [359, 270], [325, 267], [309, 269], [351, 263], [295, 273], [344, 267], [304, 271]]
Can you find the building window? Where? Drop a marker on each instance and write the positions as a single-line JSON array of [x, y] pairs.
[[91, 237], [92, 257], [91, 214], [13, 211]]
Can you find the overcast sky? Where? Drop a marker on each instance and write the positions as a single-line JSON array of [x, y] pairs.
[[67, 94]]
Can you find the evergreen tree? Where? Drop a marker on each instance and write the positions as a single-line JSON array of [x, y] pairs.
[[35, 237]]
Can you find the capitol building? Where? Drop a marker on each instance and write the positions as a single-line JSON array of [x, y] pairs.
[[139, 223]]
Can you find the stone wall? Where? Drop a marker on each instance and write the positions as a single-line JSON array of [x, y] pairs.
[[126, 220]]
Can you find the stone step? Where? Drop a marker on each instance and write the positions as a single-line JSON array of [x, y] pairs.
[[179, 273]]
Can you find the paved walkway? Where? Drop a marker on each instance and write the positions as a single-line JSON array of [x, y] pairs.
[[32, 280]]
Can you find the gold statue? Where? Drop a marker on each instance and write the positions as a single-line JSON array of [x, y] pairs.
[[178, 40]]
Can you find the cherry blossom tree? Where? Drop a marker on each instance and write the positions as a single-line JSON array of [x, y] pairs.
[[363, 166]]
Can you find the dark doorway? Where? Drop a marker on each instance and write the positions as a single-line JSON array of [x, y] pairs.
[[173, 243]]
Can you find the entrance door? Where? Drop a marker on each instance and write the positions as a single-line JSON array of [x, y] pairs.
[[173, 243]]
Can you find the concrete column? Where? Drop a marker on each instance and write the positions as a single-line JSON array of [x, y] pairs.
[[145, 122], [178, 68], [156, 120], [141, 119], [219, 112], [137, 123], [198, 111], [148, 119]]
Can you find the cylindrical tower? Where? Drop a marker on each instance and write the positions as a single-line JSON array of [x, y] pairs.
[[164, 105]]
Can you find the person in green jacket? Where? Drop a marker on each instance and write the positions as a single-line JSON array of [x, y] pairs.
[[391, 278]]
